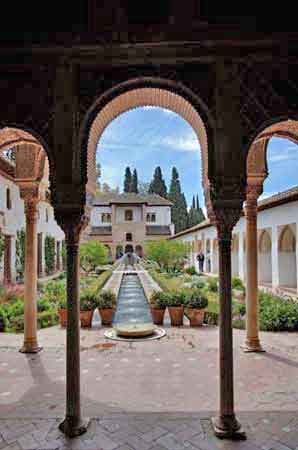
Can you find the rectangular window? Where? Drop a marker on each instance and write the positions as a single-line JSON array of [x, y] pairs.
[[106, 218], [128, 215]]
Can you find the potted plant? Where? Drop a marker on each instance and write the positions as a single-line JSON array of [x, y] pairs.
[[106, 306], [175, 302], [158, 304], [88, 304], [195, 307], [62, 311]]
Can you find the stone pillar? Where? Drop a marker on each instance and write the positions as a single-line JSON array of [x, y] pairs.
[[40, 251], [30, 312], [274, 257], [226, 424], [252, 342], [7, 260], [58, 265], [73, 425], [13, 260], [241, 255]]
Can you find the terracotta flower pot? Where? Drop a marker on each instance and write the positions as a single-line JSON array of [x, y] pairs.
[[63, 317], [196, 316], [157, 315], [86, 319], [176, 315], [106, 315]]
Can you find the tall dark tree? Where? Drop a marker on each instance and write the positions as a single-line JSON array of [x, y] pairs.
[[98, 175], [195, 213], [127, 180], [179, 208], [134, 182], [158, 185]]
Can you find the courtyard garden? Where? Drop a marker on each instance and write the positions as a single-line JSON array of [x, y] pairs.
[[183, 292]]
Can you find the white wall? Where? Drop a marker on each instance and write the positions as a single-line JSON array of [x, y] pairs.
[[120, 213], [271, 265], [96, 213], [163, 214]]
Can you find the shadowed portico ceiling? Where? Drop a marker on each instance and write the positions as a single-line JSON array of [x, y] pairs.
[[146, 97]]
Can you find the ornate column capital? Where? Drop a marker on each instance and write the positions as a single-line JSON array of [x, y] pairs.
[[72, 224], [253, 191], [225, 220]]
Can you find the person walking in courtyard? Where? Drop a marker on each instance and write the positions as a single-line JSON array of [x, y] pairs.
[[201, 258]]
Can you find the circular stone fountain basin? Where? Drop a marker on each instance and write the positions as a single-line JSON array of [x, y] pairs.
[[135, 329]]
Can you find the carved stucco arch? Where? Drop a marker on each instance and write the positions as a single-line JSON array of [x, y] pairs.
[[32, 162], [265, 242], [146, 92], [257, 169], [287, 240]]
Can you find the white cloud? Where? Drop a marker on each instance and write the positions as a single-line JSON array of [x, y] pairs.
[[187, 143]]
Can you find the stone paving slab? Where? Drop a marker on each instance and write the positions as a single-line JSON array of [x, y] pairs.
[[165, 434]]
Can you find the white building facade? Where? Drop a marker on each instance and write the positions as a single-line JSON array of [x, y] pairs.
[[123, 222], [12, 221], [277, 222]]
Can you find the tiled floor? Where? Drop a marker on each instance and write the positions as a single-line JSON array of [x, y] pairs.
[[151, 395]]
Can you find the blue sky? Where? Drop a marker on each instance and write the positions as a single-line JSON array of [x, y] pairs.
[[148, 137]]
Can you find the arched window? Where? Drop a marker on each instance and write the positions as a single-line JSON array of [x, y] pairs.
[[151, 217], [8, 199], [106, 218], [128, 237], [287, 241], [128, 215], [265, 242]]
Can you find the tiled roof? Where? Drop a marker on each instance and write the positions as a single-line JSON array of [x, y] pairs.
[[106, 199], [162, 230], [278, 199], [102, 231]]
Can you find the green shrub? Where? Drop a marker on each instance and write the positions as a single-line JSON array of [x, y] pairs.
[[49, 254], [239, 324], [212, 284], [211, 318], [88, 300], [169, 255], [54, 291], [239, 308], [107, 299], [277, 314], [176, 297], [17, 323], [62, 303], [159, 299], [101, 280], [190, 270], [47, 319], [14, 309], [199, 284], [3, 319], [92, 254], [196, 299], [237, 283], [43, 304]]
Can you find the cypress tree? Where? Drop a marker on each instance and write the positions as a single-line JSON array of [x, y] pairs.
[[200, 214], [179, 208], [158, 185], [127, 180], [134, 182]]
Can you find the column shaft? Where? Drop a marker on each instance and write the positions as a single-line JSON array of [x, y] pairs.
[[30, 310], [252, 343], [226, 424], [72, 425]]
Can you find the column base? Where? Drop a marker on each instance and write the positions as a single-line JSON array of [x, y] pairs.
[[72, 427], [228, 428], [252, 346], [30, 348]]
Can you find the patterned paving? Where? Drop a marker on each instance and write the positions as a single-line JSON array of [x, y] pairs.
[[149, 432], [157, 395]]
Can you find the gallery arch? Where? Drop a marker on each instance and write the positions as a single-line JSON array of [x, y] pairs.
[[287, 257], [265, 257]]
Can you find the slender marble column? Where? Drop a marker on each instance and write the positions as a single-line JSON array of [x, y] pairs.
[[73, 425], [252, 342], [30, 311], [226, 424]]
